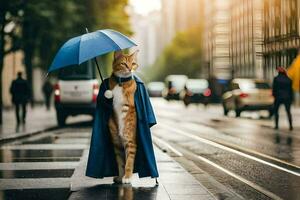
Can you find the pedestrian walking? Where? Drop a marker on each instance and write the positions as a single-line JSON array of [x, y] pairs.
[[20, 92], [47, 91], [283, 94]]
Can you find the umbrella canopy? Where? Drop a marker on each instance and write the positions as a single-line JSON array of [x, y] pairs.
[[294, 73], [90, 45]]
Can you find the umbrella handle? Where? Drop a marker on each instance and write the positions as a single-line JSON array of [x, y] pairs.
[[98, 69]]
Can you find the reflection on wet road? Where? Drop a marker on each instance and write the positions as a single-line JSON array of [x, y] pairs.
[[8, 155], [236, 131], [255, 161], [40, 167], [118, 192], [54, 193]]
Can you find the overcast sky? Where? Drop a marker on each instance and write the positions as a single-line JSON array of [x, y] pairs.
[[145, 6]]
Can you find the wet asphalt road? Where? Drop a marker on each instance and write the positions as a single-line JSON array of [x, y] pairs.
[[254, 161], [240, 158]]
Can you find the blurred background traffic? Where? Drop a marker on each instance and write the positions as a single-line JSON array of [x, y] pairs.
[[196, 51]]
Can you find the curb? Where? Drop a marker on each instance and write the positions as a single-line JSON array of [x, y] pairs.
[[24, 135], [15, 136]]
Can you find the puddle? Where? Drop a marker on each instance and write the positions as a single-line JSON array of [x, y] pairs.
[[46, 159], [43, 140], [72, 141], [115, 191], [216, 120], [75, 135], [42, 150], [48, 173], [35, 194], [8, 155]]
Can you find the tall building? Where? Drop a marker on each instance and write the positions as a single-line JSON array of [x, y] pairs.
[[216, 38], [179, 15], [281, 34], [246, 38], [147, 35], [168, 21], [157, 29], [187, 14], [261, 34]]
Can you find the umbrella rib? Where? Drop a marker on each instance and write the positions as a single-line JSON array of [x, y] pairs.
[[79, 50], [111, 40]]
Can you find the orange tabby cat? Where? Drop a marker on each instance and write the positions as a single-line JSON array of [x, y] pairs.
[[122, 124]]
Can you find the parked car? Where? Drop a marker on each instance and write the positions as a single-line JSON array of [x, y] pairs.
[[75, 91], [174, 85], [155, 89], [248, 94], [196, 91]]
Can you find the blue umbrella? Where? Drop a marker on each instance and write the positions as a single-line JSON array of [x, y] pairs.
[[90, 45]]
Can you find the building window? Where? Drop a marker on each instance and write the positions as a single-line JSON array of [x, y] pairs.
[[277, 18]]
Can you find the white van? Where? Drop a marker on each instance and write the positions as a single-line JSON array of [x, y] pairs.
[[76, 91]]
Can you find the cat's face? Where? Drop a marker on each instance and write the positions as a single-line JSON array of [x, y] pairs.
[[124, 65]]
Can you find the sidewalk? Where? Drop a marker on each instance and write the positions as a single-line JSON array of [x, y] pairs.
[[38, 119], [175, 183]]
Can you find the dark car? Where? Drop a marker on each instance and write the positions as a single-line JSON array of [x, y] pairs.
[[155, 89], [196, 91], [174, 86]]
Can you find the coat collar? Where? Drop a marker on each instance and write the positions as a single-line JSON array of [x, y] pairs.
[[135, 77], [121, 80]]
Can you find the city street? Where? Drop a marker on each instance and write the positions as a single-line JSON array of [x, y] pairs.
[[78, 80], [244, 155], [221, 158]]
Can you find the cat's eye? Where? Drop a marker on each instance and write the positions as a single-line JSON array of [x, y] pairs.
[[123, 64], [134, 64]]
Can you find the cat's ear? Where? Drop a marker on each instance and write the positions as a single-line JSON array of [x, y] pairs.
[[134, 55], [117, 54], [134, 60]]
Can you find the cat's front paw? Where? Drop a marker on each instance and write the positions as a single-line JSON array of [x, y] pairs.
[[118, 179], [126, 180]]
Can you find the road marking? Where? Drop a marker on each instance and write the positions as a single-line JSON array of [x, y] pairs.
[[158, 140], [37, 165], [251, 184], [228, 149], [46, 157], [34, 183], [45, 147], [239, 178], [246, 150]]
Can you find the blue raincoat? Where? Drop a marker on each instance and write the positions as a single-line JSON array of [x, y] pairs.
[[101, 161]]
